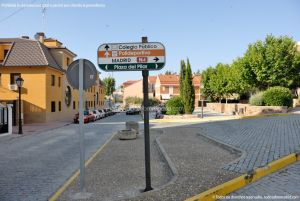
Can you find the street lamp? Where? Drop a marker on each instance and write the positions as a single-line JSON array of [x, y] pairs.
[[19, 82], [94, 101]]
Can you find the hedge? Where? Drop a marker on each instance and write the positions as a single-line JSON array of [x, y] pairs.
[[278, 96], [175, 106]]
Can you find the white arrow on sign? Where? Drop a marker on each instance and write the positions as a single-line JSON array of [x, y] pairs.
[[106, 67], [106, 54]]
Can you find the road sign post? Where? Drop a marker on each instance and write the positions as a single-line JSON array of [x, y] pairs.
[[135, 57], [145, 74], [81, 132], [81, 75]]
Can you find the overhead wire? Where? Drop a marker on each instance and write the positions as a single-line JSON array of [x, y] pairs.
[[13, 13]]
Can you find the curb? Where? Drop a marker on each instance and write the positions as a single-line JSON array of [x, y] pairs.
[[169, 162], [39, 131], [77, 172], [232, 149], [245, 179], [210, 119], [194, 120], [268, 115]]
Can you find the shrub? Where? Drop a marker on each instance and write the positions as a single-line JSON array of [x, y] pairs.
[[153, 102], [278, 96], [175, 106], [134, 100], [257, 99]]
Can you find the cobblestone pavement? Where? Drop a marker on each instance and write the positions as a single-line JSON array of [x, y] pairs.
[[197, 162], [33, 167], [264, 139], [282, 183]]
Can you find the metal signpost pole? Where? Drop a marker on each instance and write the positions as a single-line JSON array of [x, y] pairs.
[[20, 112], [81, 124], [145, 74], [202, 102]]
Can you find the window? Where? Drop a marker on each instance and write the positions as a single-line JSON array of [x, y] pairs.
[[59, 106], [59, 81], [52, 80], [68, 61], [5, 53], [52, 106], [74, 105], [13, 77]]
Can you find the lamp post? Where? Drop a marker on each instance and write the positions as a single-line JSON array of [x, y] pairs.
[[19, 82], [94, 101]]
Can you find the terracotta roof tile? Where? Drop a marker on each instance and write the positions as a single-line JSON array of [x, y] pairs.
[[25, 52], [152, 79], [129, 82], [196, 80], [169, 79]]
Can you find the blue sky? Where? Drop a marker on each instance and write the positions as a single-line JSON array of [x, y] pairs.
[[206, 32]]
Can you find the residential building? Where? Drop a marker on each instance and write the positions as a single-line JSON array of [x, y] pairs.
[[46, 94], [134, 88], [162, 87]]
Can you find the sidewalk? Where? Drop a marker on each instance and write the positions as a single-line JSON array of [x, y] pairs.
[[40, 127], [118, 172]]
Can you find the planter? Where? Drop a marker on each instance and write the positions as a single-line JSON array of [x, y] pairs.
[[127, 134]]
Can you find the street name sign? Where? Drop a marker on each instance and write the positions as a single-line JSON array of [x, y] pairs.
[[131, 56]]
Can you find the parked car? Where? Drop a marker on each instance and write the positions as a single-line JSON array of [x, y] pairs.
[[102, 113], [105, 112], [133, 111], [88, 117], [110, 111], [97, 114]]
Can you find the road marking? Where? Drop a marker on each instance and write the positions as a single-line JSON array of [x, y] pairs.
[[77, 172]]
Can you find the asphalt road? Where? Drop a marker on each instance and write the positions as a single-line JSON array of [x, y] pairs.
[[34, 166]]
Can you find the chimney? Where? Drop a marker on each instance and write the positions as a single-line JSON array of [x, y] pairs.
[[25, 37], [40, 36]]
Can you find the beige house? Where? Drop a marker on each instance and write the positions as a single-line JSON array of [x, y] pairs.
[[134, 88], [162, 87], [46, 94]]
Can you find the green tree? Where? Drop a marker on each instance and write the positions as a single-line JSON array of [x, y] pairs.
[[219, 81], [224, 81], [272, 62], [110, 84], [206, 76], [189, 92], [198, 72], [181, 78]]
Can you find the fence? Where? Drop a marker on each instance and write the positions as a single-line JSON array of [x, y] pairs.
[[3, 120]]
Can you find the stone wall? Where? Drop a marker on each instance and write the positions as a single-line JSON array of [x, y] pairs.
[[245, 109]]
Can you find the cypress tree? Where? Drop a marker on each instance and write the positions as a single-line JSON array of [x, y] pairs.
[[181, 78], [189, 92]]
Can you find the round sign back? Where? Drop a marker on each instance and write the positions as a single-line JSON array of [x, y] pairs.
[[89, 74]]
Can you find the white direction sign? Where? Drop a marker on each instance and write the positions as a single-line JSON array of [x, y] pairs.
[[131, 56]]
